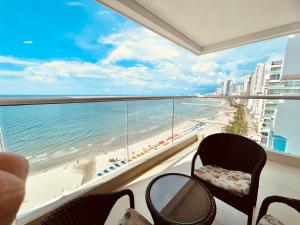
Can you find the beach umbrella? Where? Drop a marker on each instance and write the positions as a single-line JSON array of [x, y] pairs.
[[133, 155]]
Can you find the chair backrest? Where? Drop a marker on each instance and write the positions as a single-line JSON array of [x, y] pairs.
[[232, 152], [87, 210]]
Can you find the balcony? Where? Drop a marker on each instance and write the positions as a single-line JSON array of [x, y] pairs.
[[83, 145], [176, 126]]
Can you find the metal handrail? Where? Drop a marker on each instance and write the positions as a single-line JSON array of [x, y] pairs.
[[82, 99]]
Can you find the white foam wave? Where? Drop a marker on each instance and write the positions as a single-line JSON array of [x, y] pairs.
[[142, 131], [41, 155]]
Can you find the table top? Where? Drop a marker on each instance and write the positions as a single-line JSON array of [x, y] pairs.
[[180, 198]]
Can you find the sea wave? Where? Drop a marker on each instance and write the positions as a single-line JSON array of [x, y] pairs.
[[110, 141], [63, 131]]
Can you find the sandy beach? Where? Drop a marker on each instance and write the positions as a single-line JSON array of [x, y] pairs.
[[52, 183]]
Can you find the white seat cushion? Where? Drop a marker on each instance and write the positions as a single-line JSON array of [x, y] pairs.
[[132, 217], [234, 181], [269, 220]]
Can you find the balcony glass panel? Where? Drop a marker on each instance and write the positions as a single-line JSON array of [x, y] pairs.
[[198, 114], [149, 127], [67, 145], [281, 130], [285, 134]]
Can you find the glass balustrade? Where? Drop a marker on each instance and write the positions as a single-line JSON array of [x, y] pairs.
[[69, 145]]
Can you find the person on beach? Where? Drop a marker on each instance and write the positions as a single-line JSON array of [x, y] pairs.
[[13, 173]]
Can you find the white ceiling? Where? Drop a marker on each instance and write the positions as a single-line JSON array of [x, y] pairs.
[[204, 26]]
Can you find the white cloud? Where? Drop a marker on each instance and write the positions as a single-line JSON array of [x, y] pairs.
[[171, 63], [138, 44], [54, 71], [28, 42], [104, 12], [15, 61], [160, 64], [74, 4], [204, 67]]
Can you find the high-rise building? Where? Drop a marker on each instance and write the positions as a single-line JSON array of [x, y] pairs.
[[277, 121], [221, 88], [246, 85], [272, 81], [286, 127], [257, 83], [281, 117], [257, 79], [233, 88], [226, 87], [218, 91]]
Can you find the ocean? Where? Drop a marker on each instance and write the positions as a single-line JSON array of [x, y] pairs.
[[44, 133]]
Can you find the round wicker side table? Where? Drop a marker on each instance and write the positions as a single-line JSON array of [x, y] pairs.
[[177, 199]]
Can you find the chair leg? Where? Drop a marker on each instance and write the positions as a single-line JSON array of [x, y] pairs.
[[250, 218]]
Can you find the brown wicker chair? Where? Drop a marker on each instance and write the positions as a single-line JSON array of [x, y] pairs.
[[233, 152], [87, 210], [294, 203]]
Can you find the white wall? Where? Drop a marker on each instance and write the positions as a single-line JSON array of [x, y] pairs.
[[292, 56]]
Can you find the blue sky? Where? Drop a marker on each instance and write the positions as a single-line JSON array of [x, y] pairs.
[[59, 47]]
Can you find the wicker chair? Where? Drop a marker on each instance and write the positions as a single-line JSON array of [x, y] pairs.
[[87, 210], [235, 153], [269, 219]]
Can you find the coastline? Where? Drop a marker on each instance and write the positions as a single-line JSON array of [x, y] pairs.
[[51, 183]]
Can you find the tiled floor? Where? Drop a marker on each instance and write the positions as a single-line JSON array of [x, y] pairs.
[[276, 179]]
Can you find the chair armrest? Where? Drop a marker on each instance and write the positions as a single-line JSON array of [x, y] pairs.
[[193, 162], [294, 203], [119, 194]]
